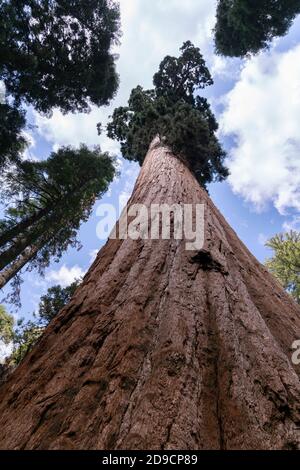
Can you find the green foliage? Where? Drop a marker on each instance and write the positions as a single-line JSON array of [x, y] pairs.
[[53, 53], [69, 177], [285, 264], [55, 300], [247, 26], [12, 143], [179, 77], [6, 326], [182, 121], [57, 53], [51, 199], [25, 337]]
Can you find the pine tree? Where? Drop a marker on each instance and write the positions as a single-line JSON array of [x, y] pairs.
[[51, 199]]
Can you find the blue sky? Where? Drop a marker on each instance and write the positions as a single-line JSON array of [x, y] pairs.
[[257, 102]]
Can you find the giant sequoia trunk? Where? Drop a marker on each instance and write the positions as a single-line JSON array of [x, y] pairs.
[[162, 348]]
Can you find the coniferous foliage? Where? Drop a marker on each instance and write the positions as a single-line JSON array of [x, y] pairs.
[[12, 142], [25, 336], [51, 199], [6, 326], [285, 263], [57, 53], [170, 110], [247, 26], [55, 300]]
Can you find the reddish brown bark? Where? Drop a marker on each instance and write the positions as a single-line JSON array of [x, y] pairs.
[[162, 349]]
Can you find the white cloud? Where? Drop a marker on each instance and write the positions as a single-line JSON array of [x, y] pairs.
[[125, 195], [74, 129], [31, 143], [5, 351], [262, 111], [151, 30], [227, 68], [65, 276], [131, 175], [93, 254], [293, 224], [262, 239]]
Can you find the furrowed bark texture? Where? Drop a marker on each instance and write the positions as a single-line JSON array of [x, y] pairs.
[[162, 348]]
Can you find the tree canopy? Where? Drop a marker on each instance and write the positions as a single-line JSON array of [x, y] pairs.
[[50, 199], [57, 53], [170, 110], [54, 300], [247, 26], [285, 263]]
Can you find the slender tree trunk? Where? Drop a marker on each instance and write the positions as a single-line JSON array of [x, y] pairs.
[[53, 222], [12, 270], [162, 348], [32, 247], [49, 225], [19, 228], [11, 255]]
